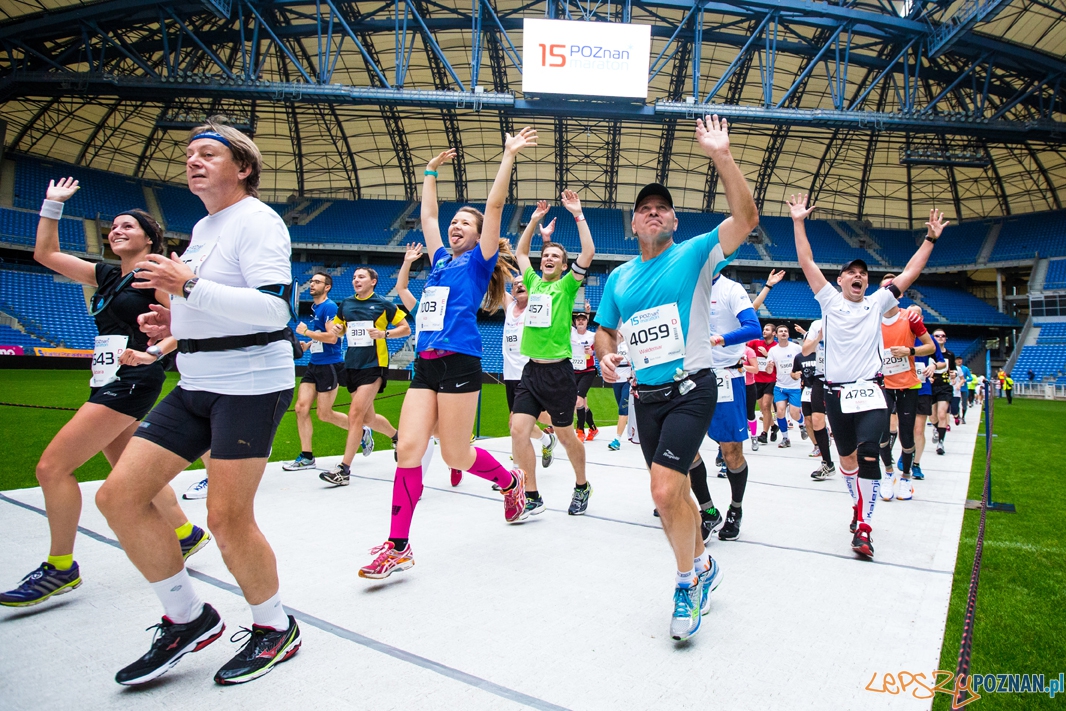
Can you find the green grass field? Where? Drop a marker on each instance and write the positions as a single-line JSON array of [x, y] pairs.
[[1020, 623], [64, 388]]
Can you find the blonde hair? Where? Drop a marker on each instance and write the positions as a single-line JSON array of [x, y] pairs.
[[245, 153]]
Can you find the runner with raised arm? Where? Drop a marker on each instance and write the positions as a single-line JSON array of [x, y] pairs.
[[127, 377], [851, 328], [231, 302], [447, 372], [765, 380], [548, 383], [660, 302]]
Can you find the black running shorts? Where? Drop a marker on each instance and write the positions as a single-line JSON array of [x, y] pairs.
[[942, 392], [455, 373], [191, 422], [134, 393], [753, 399], [585, 379], [325, 377], [852, 428], [354, 379], [509, 387], [547, 387], [762, 389], [925, 405], [671, 432]]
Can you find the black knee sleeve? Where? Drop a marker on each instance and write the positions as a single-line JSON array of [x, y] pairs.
[[868, 466]]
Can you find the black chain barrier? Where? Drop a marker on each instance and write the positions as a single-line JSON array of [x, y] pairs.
[[962, 668]]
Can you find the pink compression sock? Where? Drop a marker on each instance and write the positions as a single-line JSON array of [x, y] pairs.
[[486, 467], [406, 489], [753, 427]]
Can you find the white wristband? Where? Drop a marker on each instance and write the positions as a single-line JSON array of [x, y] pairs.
[[52, 209]]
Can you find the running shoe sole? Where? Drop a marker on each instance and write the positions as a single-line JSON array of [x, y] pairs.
[[293, 647], [293, 467], [199, 546], [406, 565], [705, 607], [195, 646], [58, 591]]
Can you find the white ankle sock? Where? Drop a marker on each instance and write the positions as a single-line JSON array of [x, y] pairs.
[[686, 579], [181, 602], [702, 563], [427, 457], [270, 613], [545, 439]]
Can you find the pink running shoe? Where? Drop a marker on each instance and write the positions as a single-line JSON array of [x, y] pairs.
[[514, 500], [457, 476], [388, 561]]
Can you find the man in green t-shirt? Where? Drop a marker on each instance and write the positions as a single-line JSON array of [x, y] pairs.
[[547, 383]]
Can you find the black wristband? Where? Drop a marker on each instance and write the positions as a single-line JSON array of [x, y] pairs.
[[912, 351], [769, 286], [931, 240]]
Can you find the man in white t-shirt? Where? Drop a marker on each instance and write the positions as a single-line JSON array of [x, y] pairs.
[[237, 378], [787, 390], [851, 329]]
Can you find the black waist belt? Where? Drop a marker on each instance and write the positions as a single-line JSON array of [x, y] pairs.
[[835, 387], [229, 343], [650, 394]]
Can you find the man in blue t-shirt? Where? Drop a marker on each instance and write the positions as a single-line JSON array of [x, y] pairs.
[[660, 303], [323, 374]]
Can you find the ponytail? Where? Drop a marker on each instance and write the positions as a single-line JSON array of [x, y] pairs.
[[504, 271]]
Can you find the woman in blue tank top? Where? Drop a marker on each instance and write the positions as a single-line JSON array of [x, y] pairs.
[[447, 373]]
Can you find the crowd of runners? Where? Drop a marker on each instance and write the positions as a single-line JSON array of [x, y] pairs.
[[680, 344]]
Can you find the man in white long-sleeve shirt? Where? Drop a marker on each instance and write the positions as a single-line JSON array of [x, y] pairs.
[[237, 380]]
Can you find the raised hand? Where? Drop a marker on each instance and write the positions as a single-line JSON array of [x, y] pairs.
[[436, 161], [523, 139], [413, 253], [547, 230], [571, 202], [540, 212], [63, 190], [936, 223], [712, 134], [797, 208], [775, 276]]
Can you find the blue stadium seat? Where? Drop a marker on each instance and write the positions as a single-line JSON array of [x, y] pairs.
[[1027, 236], [20, 227], [103, 195], [1056, 274]]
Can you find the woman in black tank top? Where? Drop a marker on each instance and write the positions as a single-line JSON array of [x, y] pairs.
[[126, 382]]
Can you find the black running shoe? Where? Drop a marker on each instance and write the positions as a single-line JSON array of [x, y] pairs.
[[731, 530], [396, 447], [710, 521], [171, 643], [803, 433], [861, 543], [761, 438], [265, 649], [773, 433], [579, 502]]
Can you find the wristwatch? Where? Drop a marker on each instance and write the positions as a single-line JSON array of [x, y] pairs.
[[187, 287], [154, 351]]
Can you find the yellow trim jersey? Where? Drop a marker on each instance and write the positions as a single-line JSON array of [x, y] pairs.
[[379, 313]]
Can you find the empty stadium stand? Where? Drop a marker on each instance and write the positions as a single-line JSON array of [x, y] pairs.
[[50, 308], [1056, 274], [348, 222], [20, 227], [103, 195], [1026, 236]]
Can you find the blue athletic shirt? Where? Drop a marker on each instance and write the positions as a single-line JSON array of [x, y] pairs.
[[966, 375], [467, 278], [322, 320], [927, 385], [683, 274]]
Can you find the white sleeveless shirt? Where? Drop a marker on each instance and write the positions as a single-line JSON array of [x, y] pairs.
[[513, 360]]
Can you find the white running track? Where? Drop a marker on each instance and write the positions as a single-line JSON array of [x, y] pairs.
[[560, 611]]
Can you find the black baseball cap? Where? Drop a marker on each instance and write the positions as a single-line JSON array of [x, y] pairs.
[[855, 263], [652, 189]]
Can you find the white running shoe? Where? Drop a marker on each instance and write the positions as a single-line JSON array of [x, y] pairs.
[[904, 490], [887, 488], [196, 491], [368, 441]]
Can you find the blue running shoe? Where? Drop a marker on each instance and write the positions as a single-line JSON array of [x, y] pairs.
[[686, 619], [916, 471], [709, 580], [301, 462], [42, 584], [194, 542], [615, 445], [367, 441], [899, 463]]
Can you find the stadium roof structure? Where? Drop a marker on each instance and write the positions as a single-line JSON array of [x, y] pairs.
[[878, 108]]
